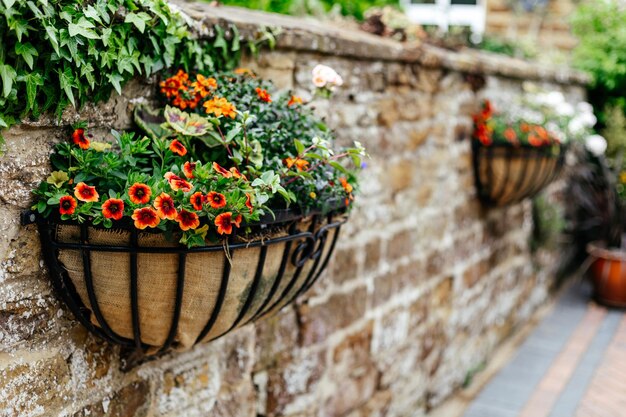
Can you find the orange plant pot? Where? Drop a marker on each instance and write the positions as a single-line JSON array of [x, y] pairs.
[[608, 274]]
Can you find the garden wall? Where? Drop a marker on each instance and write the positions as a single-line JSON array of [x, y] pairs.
[[424, 285]]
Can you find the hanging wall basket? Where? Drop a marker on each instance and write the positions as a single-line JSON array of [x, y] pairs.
[[143, 292], [507, 174]]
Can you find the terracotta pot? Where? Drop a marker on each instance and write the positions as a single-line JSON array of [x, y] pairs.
[[608, 274]]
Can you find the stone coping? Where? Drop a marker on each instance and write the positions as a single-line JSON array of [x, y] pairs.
[[310, 35]]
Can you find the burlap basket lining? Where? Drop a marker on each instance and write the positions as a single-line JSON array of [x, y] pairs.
[[157, 283]]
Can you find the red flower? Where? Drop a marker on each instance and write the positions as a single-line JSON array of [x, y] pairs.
[[263, 95], [145, 217], [139, 193], [221, 170], [510, 135], [197, 200], [177, 183], [188, 168], [67, 204], [79, 139], [225, 222], [86, 193], [187, 220], [237, 174], [534, 140], [165, 207], [216, 200], [178, 148], [249, 202], [113, 208], [487, 110]]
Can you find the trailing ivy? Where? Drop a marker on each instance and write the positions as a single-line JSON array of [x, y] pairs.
[[59, 52]]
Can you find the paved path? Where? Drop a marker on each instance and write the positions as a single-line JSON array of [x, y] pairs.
[[572, 365]]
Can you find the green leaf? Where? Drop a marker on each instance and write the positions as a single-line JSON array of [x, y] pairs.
[[84, 28], [66, 81], [116, 80], [92, 13], [8, 75], [338, 167], [8, 3], [299, 146], [138, 19], [52, 35], [2, 122], [27, 52], [33, 80]]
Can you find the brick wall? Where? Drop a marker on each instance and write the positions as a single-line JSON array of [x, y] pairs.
[[425, 283]]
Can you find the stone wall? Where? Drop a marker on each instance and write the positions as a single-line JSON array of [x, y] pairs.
[[425, 282]]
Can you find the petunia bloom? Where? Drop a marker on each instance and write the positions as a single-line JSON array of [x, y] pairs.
[[221, 170], [216, 200], [188, 168], [178, 148], [67, 204], [263, 95], [113, 208], [165, 207], [197, 200], [145, 217], [139, 193], [225, 222], [187, 220], [79, 139], [86, 193], [177, 183]]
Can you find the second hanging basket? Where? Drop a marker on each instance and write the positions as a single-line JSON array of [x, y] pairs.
[[506, 174]]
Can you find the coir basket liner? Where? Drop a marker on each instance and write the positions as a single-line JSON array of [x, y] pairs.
[[142, 291], [506, 174]]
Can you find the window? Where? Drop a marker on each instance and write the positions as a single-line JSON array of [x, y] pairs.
[[446, 13]]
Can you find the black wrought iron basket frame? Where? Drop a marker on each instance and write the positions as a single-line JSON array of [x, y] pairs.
[[310, 249], [510, 151]]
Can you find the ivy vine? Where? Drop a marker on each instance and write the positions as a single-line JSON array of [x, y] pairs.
[[54, 53]]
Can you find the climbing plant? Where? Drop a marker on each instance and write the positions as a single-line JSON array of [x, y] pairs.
[[54, 53]]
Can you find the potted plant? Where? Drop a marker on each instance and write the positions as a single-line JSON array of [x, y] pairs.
[[519, 152], [225, 208]]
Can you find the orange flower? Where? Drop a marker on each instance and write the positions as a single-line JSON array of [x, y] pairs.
[[225, 222], [178, 148], [67, 204], [244, 71], [219, 106], [139, 193], [165, 207], [203, 85], [346, 186], [524, 127], [197, 200], [177, 183], [294, 100], [237, 174], [263, 95], [510, 135], [79, 139], [543, 133], [113, 208], [300, 164], [145, 217], [172, 86], [86, 193], [221, 170], [187, 220], [249, 203], [188, 168], [216, 200], [534, 140]]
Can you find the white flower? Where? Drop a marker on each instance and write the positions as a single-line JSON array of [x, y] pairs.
[[576, 126], [324, 76], [554, 98], [596, 144], [565, 109], [584, 107]]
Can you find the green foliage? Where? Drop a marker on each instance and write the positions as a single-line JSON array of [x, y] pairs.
[[548, 223], [355, 9], [601, 29], [61, 52], [615, 131]]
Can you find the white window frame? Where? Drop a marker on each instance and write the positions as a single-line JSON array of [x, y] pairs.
[[444, 14]]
